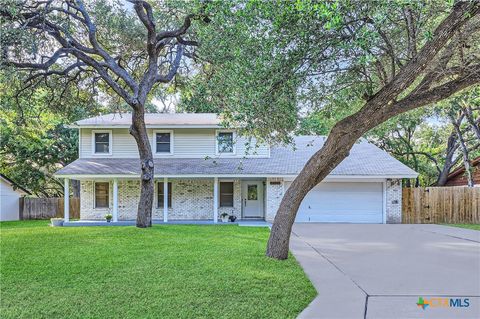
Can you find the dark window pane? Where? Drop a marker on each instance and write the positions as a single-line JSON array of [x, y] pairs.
[[226, 194], [160, 195], [163, 142], [225, 142], [101, 147], [226, 200], [102, 142], [226, 187], [101, 195], [101, 137], [163, 137], [163, 148]]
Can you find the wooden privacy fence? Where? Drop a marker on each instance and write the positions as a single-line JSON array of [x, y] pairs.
[[441, 205], [45, 208]]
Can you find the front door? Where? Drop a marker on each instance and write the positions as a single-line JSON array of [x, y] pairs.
[[252, 199]]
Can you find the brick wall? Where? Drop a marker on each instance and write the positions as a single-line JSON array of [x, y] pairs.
[[191, 199], [394, 201], [87, 210]]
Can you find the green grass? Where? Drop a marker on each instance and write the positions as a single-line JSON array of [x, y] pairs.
[[162, 272], [469, 226]]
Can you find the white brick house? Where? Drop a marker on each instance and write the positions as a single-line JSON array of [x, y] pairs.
[[203, 170]]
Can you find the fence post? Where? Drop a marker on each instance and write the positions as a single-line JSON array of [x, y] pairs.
[[21, 201]]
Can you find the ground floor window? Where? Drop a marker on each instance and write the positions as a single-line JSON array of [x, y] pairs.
[[102, 194], [161, 193], [226, 194]]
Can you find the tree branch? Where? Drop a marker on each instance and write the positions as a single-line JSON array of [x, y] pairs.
[[173, 68], [425, 97]]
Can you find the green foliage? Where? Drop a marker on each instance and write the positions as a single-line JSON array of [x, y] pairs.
[[409, 135], [261, 63], [34, 142], [173, 271], [419, 138]]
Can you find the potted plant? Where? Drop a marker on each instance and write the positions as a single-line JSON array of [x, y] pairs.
[[232, 218], [224, 217], [56, 222], [108, 217]]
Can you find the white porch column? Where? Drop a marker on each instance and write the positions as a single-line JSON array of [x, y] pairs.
[[165, 199], [115, 200], [66, 200], [215, 200]]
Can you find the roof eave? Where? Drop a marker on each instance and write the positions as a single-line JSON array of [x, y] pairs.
[[153, 126], [329, 177]]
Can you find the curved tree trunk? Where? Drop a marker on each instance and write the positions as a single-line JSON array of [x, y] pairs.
[[139, 131], [334, 151], [378, 108]]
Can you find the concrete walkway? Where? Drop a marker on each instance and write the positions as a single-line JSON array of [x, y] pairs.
[[380, 271], [245, 223]]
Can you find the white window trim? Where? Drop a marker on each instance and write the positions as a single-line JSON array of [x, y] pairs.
[[234, 137], [110, 142], [95, 197], [155, 142]]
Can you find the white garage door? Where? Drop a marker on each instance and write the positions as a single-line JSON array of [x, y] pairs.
[[343, 203]]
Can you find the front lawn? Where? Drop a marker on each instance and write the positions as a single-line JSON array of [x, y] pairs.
[[174, 271], [469, 226]]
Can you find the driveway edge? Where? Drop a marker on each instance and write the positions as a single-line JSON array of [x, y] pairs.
[[348, 300]]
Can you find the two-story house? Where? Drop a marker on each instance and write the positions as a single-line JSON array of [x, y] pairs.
[[203, 170]]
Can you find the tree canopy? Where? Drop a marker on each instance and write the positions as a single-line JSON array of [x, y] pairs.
[[34, 141]]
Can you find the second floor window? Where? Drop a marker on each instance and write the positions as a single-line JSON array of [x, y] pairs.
[[225, 142], [102, 142], [163, 142]]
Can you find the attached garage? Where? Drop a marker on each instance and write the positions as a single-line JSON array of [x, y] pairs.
[[343, 202]]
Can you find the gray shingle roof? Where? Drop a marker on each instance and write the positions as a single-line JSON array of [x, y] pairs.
[[365, 159], [156, 119]]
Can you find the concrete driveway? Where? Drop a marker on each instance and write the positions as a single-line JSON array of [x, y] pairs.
[[380, 271]]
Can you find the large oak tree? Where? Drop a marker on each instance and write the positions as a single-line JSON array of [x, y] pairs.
[[430, 74], [274, 59], [127, 49]]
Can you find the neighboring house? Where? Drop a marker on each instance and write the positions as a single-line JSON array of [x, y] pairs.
[[458, 178], [10, 194], [203, 170]]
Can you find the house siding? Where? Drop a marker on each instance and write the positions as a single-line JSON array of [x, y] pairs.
[[187, 143], [9, 201], [191, 199]]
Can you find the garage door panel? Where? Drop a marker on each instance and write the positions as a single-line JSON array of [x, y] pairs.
[[355, 202]]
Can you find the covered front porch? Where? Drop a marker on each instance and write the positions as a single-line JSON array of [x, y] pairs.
[[179, 199]]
